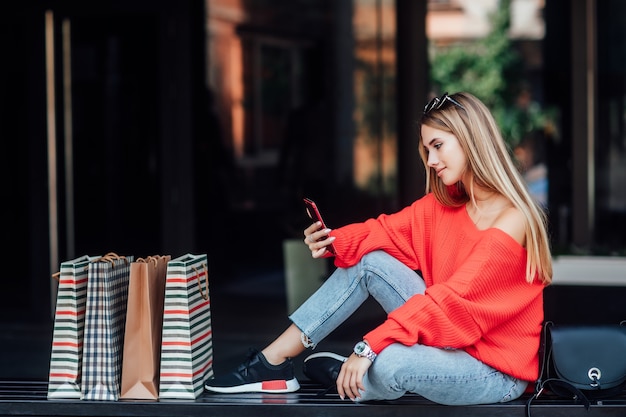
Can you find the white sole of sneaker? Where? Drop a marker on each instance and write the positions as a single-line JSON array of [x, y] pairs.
[[270, 387], [326, 355]]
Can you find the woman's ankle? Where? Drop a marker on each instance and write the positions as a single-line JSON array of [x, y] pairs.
[[273, 358]]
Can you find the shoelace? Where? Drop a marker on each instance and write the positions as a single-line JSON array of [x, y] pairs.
[[327, 391], [243, 368]]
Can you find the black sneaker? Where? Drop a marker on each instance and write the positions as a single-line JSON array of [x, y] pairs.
[[256, 374], [323, 368]]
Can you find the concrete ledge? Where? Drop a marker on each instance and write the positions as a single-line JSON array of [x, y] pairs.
[[28, 398], [590, 271]]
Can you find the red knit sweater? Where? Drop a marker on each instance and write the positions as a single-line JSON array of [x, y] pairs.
[[477, 297]]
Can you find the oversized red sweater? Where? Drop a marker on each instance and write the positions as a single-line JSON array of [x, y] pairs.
[[477, 297]]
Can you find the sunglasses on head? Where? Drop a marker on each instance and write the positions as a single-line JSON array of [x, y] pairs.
[[438, 102]]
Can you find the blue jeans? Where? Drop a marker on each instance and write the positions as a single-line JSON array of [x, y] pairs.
[[445, 376]]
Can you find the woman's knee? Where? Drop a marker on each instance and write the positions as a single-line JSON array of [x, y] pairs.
[[389, 364], [376, 257]]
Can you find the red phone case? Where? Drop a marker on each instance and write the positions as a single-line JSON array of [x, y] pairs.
[[314, 214]]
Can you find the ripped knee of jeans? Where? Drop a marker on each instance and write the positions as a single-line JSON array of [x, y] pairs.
[[306, 341]]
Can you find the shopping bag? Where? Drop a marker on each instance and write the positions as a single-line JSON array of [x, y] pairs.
[[105, 318], [187, 343], [144, 322], [64, 377]]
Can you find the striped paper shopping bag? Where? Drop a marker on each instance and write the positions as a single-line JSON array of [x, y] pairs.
[[187, 341], [66, 355], [105, 319]]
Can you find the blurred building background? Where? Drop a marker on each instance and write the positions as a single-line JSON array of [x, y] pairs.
[[175, 126]]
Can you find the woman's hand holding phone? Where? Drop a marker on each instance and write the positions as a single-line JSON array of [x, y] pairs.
[[316, 235]]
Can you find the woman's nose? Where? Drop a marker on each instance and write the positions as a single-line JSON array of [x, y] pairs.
[[432, 159]]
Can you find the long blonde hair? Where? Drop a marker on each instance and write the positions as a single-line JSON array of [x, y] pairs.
[[492, 168]]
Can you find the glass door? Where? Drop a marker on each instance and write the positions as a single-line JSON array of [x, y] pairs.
[[79, 127]]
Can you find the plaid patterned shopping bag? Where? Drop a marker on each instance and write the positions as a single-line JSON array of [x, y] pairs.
[[105, 318], [66, 355], [187, 342]]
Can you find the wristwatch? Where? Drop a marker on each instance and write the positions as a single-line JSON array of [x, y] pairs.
[[363, 350]]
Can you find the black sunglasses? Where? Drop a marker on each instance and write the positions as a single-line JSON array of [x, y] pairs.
[[438, 102]]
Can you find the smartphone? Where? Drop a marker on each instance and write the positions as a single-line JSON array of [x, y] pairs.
[[314, 214]]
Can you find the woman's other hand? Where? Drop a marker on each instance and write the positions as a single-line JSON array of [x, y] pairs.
[[350, 379]]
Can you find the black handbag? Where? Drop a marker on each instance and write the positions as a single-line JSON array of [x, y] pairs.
[[582, 362]]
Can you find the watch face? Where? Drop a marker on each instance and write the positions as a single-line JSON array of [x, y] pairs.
[[363, 350]]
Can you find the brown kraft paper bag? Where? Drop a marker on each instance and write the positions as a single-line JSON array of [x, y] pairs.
[[144, 321]]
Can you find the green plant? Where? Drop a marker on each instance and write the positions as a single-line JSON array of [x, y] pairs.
[[491, 69]]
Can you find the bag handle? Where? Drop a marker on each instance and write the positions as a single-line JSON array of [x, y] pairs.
[[541, 384], [204, 294], [150, 259], [111, 257], [57, 275], [544, 355], [577, 394]]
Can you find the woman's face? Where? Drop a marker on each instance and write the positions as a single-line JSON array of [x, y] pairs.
[[445, 154]]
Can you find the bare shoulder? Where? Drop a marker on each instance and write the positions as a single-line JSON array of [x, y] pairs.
[[512, 222]]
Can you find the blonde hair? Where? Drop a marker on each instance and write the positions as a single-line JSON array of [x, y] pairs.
[[491, 167]]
